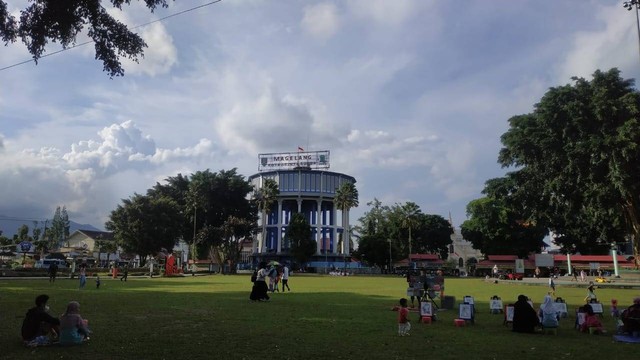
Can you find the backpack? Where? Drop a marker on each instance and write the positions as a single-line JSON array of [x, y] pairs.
[[254, 276]]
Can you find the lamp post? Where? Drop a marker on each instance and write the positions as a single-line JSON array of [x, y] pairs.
[[390, 261], [630, 5]]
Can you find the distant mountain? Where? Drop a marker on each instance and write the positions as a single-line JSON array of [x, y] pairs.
[[10, 225]]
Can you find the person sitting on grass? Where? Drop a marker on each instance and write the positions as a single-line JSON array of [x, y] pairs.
[[403, 318], [525, 318], [592, 323], [548, 315], [73, 328], [631, 318], [38, 327]]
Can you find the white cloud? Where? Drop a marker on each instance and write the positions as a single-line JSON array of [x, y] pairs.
[[273, 123], [160, 55], [386, 12], [614, 44], [321, 20]]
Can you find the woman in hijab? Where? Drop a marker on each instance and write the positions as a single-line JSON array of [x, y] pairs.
[[73, 328], [259, 290], [548, 315], [525, 318]]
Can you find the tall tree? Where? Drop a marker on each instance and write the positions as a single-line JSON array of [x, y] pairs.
[[205, 201], [265, 197], [299, 236], [56, 231], [228, 244], [494, 229], [410, 218], [23, 233], [36, 232], [47, 21], [578, 150], [433, 235], [143, 225], [345, 199]]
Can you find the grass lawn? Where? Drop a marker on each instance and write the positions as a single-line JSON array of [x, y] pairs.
[[211, 317]]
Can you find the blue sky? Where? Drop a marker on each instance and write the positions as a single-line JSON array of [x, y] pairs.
[[410, 97]]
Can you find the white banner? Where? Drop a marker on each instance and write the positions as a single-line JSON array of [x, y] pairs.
[[291, 160]]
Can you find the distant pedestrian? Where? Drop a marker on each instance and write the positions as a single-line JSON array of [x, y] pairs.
[[495, 271], [97, 281], [574, 273], [83, 275], [591, 295], [583, 276], [552, 285], [53, 271], [125, 274], [285, 278]]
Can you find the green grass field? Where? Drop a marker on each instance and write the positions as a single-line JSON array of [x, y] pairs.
[[323, 318]]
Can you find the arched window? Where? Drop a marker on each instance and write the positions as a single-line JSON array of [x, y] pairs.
[[460, 262]]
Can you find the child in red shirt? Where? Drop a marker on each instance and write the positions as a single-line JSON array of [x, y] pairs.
[[403, 318]]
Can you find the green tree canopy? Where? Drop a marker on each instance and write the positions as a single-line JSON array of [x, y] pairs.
[[226, 241], [205, 201], [299, 236], [576, 155], [398, 224], [45, 21], [143, 224]]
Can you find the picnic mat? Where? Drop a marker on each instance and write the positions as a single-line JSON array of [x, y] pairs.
[[627, 338]]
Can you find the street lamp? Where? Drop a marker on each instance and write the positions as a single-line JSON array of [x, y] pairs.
[[390, 261], [630, 5]]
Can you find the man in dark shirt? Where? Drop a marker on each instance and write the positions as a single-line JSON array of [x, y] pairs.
[[37, 322], [53, 271]]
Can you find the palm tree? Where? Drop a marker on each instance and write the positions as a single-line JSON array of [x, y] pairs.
[[345, 199], [265, 197], [410, 212]]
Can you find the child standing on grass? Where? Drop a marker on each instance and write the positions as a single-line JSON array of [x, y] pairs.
[[403, 318], [97, 281]]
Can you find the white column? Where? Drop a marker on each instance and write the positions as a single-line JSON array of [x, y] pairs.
[[346, 236], [279, 226], [614, 253]]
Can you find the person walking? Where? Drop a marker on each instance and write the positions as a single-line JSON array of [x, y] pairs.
[[83, 275], [285, 278], [260, 289], [552, 285], [574, 273], [53, 271], [125, 273]]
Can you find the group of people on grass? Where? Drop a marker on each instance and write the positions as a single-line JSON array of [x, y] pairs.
[[527, 320], [40, 328], [272, 274]]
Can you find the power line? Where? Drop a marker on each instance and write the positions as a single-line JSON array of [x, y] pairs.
[[133, 28], [10, 218]]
